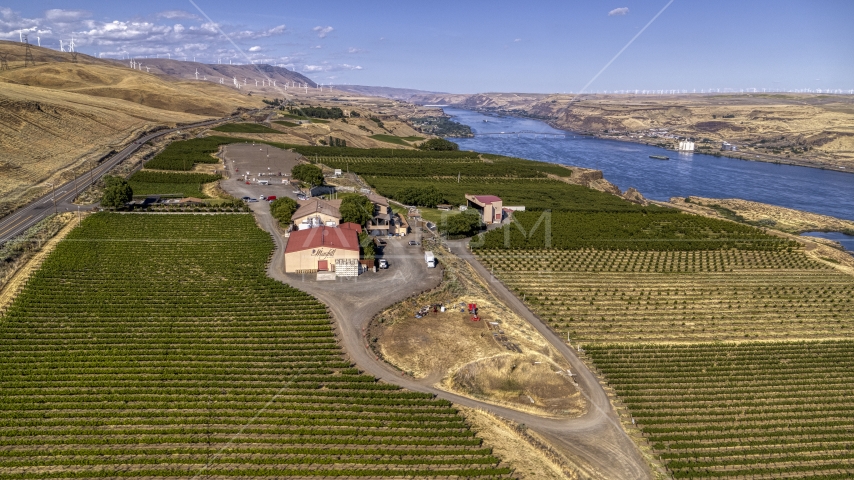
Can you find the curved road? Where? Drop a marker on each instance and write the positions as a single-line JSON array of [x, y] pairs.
[[595, 441], [61, 197]]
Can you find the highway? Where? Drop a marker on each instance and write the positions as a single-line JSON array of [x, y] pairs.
[[60, 198]]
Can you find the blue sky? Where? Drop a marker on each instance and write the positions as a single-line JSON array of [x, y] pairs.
[[476, 46]]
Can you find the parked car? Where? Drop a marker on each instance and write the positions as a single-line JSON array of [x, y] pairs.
[[413, 243], [263, 197], [298, 192], [245, 199], [253, 200], [271, 198], [383, 263], [302, 197]]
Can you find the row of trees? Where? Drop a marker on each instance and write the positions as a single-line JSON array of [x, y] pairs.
[[308, 173]]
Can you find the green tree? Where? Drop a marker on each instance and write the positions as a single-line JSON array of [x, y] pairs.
[[357, 209], [421, 196], [467, 223], [117, 192], [308, 173], [282, 209], [439, 144], [367, 246]]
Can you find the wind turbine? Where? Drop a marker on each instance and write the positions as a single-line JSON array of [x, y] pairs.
[[61, 46], [197, 74], [147, 70], [39, 40]]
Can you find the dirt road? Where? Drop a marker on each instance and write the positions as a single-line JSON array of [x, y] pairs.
[[595, 442]]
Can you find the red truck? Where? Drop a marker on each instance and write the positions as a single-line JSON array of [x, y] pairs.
[[271, 198]]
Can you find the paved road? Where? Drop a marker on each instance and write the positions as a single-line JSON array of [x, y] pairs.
[[61, 197]]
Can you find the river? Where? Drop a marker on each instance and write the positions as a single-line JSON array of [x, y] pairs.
[[628, 165]]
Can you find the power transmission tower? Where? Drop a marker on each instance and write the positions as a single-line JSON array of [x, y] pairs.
[[29, 61], [4, 65]]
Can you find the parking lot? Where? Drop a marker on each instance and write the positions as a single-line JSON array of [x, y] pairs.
[[259, 170]]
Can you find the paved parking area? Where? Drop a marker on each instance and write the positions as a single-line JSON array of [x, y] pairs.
[[253, 163]]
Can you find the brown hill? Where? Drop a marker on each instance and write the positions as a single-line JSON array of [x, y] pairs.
[[213, 73], [44, 133], [59, 115]]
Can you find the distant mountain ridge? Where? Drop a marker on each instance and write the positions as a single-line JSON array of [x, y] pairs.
[[400, 94], [213, 72]]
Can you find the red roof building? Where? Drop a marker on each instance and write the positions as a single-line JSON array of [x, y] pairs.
[[318, 248], [490, 207]]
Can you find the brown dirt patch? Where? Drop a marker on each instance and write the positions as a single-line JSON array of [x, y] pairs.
[[528, 382], [525, 454], [439, 347]]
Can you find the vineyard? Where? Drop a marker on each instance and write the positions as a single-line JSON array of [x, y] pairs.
[[429, 165], [146, 182], [186, 153], [534, 194], [155, 346], [648, 229], [244, 128], [741, 411], [600, 296]]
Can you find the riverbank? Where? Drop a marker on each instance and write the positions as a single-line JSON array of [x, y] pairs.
[[749, 157], [821, 164], [628, 164], [770, 216], [810, 130]]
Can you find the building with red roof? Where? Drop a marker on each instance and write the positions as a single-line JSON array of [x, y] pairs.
[[490, 207], [320, 249]]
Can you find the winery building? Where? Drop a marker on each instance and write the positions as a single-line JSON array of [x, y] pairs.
[[324, 249]]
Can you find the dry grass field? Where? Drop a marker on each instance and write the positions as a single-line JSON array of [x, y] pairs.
[[61, 117], [500, 358], [772, 216], [44, 134]]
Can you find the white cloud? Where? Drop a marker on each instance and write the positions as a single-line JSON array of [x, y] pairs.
[[57, 15], [322, 32], [618, 11], [178, 28], [250, 34], [276, 30], [326, 67], [355, 50], [172, 14], [256, 48], [517, 40]]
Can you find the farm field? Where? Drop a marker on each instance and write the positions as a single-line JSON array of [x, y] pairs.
[[156, 346], [244, 128], [619, 296], [604, 227], [737, 411], [728, 347], [146, 182]]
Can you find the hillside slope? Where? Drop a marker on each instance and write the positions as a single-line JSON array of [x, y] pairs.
[[213, 73], [45, 132]]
